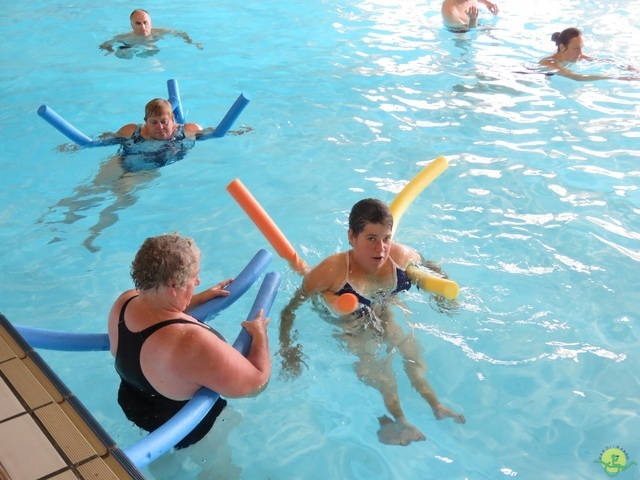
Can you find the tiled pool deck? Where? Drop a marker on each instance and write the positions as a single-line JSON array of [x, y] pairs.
[[45, 432]]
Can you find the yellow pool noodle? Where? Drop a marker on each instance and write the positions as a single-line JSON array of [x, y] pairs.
[[412, 189], [430, 283]]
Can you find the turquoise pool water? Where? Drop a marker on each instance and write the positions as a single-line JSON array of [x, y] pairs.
[[537, 219]]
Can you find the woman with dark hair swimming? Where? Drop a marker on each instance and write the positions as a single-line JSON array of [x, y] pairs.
[[570, 43], [374, 270]]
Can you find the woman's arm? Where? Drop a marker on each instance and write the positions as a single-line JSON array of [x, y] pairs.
[[196, 358], [612, 61], [216, 291], [259, 355], [555, 67], [565, 72], [317, 280], [325, 275], [290, 350]]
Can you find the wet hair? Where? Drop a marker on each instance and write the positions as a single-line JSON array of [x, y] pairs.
[[564, 37], [157, 108], [369, 210], [138, 10], [165, 260]]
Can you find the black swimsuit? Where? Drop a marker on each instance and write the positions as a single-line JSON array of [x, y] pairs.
[[401, 279], [141, 403]]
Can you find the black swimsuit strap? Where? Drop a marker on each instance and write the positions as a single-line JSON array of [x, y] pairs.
[[121, 320], [147, 332]]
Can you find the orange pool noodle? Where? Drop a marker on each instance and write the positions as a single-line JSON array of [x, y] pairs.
[[341, 304], [266, 225]]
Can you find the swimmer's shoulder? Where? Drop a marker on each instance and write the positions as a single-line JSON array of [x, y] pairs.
[[404, 255], [127, 131], [327, 274], [191, 129], [549, 62], [127, 38]]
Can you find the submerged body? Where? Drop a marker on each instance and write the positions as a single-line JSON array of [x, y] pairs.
[[462, 15], [139, 400], [141, 153], [165, 355], [375, 271], [144, 148], [141, 40], [570, 44]]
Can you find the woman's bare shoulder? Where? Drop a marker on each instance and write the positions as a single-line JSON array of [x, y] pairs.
[[326, 274], [404, 255], [127, 130]]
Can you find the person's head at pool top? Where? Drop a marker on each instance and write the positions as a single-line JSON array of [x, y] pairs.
[[570, 44], [179, 266], [370, 227], [140, 22], [159, 119]]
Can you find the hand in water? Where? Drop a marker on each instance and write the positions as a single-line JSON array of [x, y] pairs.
[[292, 362], [68, 148]]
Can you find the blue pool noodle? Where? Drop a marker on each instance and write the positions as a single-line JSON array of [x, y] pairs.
[[237, 288], [227, 122], [64, 127], [161, 440], [76, 136], [66, 341], [174, 100], [84, 342]]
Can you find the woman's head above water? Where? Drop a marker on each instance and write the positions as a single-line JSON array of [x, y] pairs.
[[569, 43], [369, 210]]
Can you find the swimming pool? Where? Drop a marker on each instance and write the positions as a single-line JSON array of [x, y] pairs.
[[536, 219]]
